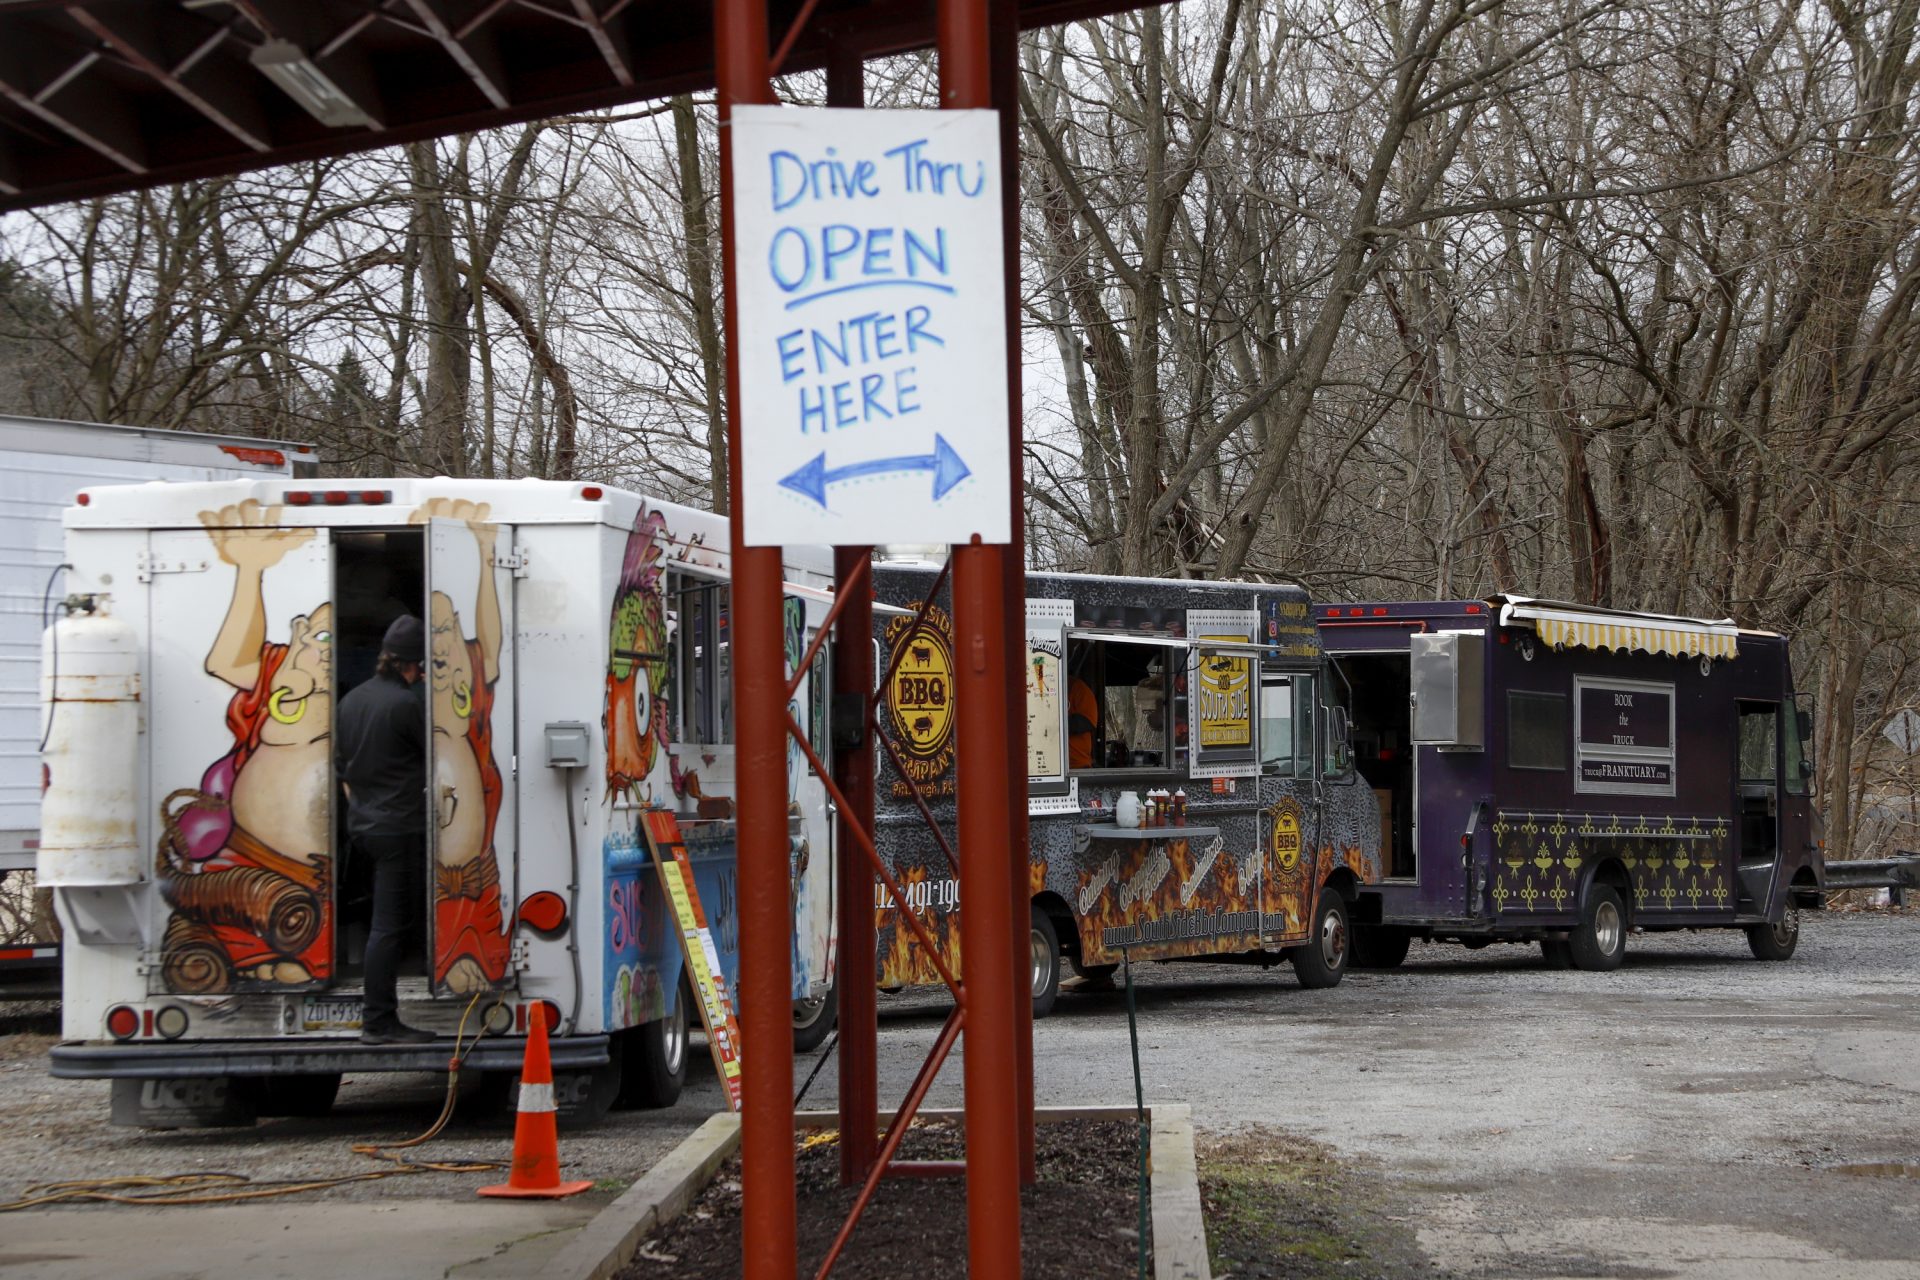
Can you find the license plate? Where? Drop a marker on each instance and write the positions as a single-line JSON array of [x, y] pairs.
[[331, 1013]]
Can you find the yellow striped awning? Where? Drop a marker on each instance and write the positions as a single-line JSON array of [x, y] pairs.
[[1567, 626]]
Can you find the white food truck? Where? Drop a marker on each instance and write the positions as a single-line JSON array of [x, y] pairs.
[[577, 679]]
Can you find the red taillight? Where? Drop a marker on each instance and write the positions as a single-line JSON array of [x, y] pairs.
[[84, 499], [592, 493], [122, 1022], [1473, 608], [545, 912], [337, 497], [1379, 613], [146, 1022], [553, 1014]]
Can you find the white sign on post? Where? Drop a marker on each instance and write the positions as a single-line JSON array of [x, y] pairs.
[[871, 325]]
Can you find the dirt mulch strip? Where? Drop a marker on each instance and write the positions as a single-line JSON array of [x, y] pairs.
[[1080, 1219]]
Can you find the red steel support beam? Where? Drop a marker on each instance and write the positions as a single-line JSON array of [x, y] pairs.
[[980, 703], [856, 957], [1003, 59], [760, 749]]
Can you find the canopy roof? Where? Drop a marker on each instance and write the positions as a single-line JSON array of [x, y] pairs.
[[1579, 626], [100, 96]]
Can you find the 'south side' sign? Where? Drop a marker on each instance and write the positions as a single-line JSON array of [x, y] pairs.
[[871, 325]]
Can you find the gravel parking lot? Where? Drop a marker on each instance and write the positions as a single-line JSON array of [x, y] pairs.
[[1696, 1114]]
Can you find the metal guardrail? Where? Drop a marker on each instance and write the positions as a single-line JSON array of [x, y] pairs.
[[1899, 873]]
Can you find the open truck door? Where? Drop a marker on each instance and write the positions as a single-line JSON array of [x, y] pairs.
[[240, 719], [470, 686]]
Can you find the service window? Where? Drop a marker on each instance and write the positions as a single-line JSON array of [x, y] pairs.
[[1537, 730], [1223, 718], [1286, 724], [1120, 703], [1047, 731], [819, 695], [700, 684]]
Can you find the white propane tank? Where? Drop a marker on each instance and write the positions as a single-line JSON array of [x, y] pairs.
[[89, 813]]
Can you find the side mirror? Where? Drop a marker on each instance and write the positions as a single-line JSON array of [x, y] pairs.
[[1342, 730]]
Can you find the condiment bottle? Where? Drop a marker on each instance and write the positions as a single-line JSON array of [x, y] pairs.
[[1180, 807]]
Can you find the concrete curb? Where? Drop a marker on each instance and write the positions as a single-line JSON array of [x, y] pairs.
[[607, 1243]]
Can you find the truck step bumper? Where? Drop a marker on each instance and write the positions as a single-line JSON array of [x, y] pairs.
[[312, 1057]]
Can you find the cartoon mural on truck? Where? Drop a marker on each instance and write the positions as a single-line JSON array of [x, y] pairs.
[[470, 941], [245, 858], [636, 712], [635, 719]]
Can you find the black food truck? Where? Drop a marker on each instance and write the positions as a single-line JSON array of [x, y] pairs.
[[1189, 792], [1565, 774]]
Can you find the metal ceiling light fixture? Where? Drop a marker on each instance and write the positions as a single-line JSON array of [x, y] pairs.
[[287, 65]]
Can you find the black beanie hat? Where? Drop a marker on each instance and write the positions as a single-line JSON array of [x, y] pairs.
[[405, 639]]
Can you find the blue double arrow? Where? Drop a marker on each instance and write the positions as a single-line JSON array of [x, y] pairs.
[[948, 470]]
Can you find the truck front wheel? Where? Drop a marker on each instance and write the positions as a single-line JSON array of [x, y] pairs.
[[653, 1068], [1046, 964], [1321, 961], [1776, 941]]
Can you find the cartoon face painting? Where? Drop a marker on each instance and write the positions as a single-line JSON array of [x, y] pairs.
[[246, 856], [635, 718], [469, 936]]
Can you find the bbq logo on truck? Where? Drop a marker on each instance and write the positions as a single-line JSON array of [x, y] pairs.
[[920, 698], [1286, 834]]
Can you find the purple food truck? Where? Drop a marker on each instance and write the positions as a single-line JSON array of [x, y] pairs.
[[1564, 774]]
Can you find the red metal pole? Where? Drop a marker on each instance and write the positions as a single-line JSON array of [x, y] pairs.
[[760, 750], [854, 964], [980, 704], [859, 1049], [1004, 70]]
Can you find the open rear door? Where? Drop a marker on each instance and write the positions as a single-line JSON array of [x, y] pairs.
[[240, 620], [471, 843]]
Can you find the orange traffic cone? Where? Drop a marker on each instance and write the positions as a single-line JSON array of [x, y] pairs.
[[535, 1174]]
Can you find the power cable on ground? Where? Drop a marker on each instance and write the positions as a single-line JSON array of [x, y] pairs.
[[199, 1188]]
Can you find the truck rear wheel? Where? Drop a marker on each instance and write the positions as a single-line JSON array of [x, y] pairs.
[[1321, 961], [1379, 946], [813, 1020], [296, 1095], [1599, 943]]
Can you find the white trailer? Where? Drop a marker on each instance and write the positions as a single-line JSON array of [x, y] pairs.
[[43, 463], [577, 679]]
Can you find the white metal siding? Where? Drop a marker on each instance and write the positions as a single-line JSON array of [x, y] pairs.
[[34, 488]]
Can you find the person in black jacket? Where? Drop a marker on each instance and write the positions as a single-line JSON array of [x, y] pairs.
[[380, 749]]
